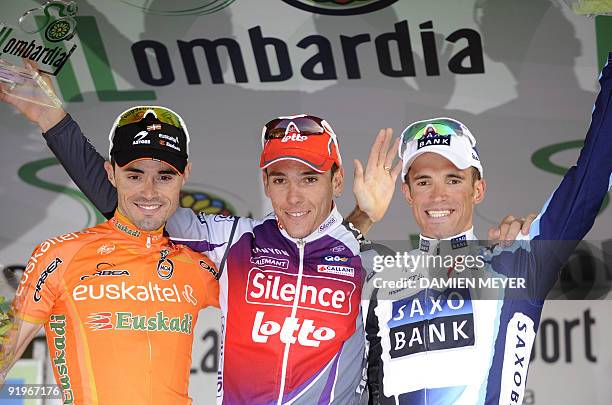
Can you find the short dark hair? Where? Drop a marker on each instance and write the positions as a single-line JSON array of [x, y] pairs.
[[334, 169]]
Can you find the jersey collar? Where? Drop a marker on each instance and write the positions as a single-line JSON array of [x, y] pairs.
[[459, 241], [125, 227], [333, 220]]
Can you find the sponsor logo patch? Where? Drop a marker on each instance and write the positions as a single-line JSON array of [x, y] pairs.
[[130, 321], [268, 261], [292, 331], [292, 133], [151, 292], [165, 266], [139, 138], [317, 293], [336, 259], [520, 335], [339, 270], [106, 273], [433, 321], [459, 242], [43, 277], [269, 251], [210, 269], [106, 249], [432, 138], [57, 325], [327, 224]]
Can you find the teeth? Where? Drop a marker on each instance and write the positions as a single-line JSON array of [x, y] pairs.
[[438, 214], [149, 207], [296, 214]]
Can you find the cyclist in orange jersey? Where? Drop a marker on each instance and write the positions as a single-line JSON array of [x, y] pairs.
[[120, 301]]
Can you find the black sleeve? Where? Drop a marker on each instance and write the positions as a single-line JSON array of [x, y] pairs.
[[375, 370], [84, 164]]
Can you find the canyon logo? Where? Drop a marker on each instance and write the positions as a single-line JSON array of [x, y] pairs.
[[340, 7]]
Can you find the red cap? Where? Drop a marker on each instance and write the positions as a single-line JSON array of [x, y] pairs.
[[319, 152]]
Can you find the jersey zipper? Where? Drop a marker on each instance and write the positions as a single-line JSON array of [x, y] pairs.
[[298, 286], [148, 241]]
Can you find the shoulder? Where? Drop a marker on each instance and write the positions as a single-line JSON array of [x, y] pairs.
[[197, 260]]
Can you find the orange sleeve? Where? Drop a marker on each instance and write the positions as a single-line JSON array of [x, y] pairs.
[[40, 285], [209, 275]]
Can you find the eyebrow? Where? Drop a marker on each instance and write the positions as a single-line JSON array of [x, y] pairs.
[[421, 176], [167, 171], [449, 175], [307, 173]]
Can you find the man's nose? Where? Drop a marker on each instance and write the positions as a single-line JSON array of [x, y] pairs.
[[295, 194]]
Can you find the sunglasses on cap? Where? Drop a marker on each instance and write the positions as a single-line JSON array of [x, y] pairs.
[[136, 114], [307, 125], [440, 126]]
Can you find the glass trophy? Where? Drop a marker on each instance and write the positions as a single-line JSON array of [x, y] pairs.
[[43, 38]]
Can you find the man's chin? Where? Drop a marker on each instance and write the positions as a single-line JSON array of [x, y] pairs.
[[149, 224]]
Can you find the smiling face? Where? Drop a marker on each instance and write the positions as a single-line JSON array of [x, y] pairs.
[[301, 197], [148, 191], [442, 196]]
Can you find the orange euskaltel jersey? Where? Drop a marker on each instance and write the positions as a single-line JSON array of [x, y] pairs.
[[119, 307]]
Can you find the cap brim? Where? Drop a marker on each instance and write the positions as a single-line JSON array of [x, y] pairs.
[[126, 157], [313, 160], [456, 160]]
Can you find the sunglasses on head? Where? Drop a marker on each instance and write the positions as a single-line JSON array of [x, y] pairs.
[[307, 125], [441, 126], [136, 114]]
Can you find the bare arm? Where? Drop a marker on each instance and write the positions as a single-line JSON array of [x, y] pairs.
[[16, 343]]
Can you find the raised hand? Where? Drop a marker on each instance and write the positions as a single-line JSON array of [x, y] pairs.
[[509, 228], [374, 186]]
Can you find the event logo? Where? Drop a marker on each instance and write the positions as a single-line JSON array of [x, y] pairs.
[[206, 203], [179, 8], [340, 7], [55, 20]]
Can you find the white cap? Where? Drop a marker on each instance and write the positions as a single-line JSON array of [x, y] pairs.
[[444, 136]]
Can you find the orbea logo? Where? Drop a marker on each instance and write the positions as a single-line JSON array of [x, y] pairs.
[[340, 7]]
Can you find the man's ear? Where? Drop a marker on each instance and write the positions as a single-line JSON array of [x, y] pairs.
[[264, 178], [338, 182], [110, 173], [186, 173], [480, 187], [406, 192]]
